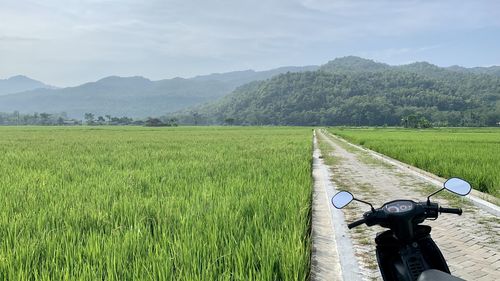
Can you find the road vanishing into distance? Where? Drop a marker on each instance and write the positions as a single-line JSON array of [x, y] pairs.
[[469, 243]]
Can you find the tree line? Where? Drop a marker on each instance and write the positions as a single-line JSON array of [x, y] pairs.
[[42, 119], [46, 119]]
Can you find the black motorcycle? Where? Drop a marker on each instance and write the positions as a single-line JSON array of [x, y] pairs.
[[406, 252]]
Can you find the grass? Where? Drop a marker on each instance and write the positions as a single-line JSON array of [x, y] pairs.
[[363, 156], [326, 152], [472, 154], [155, 204]]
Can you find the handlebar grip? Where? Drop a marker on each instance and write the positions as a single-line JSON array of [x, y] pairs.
[[356, 223], [457, 211]]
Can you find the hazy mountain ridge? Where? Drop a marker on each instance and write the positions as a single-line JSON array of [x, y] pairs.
[[20, 83], [134, 96], [238, 78]]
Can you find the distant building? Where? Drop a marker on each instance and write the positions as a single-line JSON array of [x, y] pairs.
[[71, 122]]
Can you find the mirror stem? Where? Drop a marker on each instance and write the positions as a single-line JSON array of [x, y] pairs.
[[428, 197], [373, 209]]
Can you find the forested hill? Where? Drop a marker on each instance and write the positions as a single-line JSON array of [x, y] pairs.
[[136, 96], [357, 64], [354, 91]]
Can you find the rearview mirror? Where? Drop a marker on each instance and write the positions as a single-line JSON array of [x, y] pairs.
[[342, 199], [458, 186]]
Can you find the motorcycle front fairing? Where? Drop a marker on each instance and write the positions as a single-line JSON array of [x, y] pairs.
[[406, 260], [407, 251]]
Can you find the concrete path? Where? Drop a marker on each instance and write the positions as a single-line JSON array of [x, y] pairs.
[[469, 242], [332, 251]]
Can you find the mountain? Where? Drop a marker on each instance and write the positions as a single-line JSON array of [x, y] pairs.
[[344, 91], [353, 64], [134, 96], [20, 83], [355, 91], [117, 96]]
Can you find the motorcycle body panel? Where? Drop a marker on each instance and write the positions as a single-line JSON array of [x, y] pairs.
[[436, 275], [400, 260]]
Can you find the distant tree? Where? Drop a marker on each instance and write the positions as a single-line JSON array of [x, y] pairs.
[[100, 120], [16, 116], [424, 123], [89, 118], [125, 120], [35, 118], [153, 122], [115, 120], [173, 122], [44, 118], [196, 118], [410, 121], [108, 117]]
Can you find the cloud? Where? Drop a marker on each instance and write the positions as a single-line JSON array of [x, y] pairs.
[[161, 38], [17, 39], [398, 55]]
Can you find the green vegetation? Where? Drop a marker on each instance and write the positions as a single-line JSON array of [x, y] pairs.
[[471, 154], [45, 119], [132, 203], [135, 97], [354, 91]]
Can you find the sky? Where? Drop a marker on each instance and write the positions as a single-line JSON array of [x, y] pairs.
[[69, 42]]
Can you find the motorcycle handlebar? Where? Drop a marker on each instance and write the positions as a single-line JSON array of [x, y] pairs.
[[356, 223], [432, 212], [457, 211]]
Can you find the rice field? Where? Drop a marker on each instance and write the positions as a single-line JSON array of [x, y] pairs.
[[128, 203], [472, 154]]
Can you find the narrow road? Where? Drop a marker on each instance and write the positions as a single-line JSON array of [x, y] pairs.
[[470, 242], [332, 252]]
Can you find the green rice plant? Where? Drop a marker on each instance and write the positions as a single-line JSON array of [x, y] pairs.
[[472, 154], [122, 203]]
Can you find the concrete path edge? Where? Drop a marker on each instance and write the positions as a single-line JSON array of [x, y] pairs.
[[349, 268]]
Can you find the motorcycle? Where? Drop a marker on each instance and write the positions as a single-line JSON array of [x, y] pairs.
[[406, 251]]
